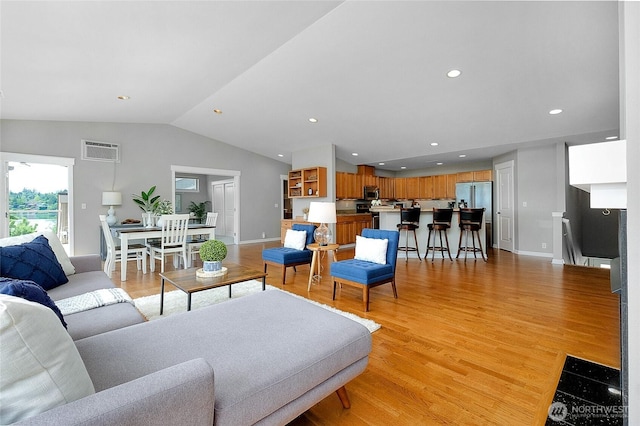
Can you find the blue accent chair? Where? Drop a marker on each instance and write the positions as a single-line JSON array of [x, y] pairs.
[[360, 273], [284, 257]]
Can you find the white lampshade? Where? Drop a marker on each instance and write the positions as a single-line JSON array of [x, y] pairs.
[[322, 212], [111, 198]]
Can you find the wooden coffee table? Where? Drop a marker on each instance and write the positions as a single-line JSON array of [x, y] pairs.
[[186, 280]]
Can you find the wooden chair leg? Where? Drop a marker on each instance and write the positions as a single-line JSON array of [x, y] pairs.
[[393, 286], [415, 238], [448, 248], [284, 273], [365, 297], [334, 290], [344, 397]]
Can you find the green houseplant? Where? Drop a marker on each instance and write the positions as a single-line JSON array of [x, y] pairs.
[[212, 253], [148, 204], [199, 210]]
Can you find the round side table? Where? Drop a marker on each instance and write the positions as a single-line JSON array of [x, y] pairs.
[[315, 263]]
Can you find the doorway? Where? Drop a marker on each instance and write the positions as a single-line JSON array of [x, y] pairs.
[[37, 193], [505, 205], [223, 203], [231, 219]]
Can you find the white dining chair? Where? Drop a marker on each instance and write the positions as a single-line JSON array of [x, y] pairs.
[[137, 252], [193, 247], [173, 240]]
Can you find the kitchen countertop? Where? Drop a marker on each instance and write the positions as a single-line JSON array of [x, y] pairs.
[[381, 209]]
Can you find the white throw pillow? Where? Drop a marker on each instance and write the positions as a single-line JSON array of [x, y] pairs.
[[371, 249], [54, 242], [295, 239], [41, 367]]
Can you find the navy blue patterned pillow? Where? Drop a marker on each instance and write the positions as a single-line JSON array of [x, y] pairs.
[[31, 291], [33, 261]]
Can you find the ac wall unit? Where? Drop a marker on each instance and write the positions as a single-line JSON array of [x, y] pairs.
[[100, 151]]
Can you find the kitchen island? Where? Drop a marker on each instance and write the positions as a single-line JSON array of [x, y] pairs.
[[390, 218]]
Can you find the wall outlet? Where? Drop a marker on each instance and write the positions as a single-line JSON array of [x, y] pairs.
[[264, 235], [544, 245], [83, 206], [524, 204]]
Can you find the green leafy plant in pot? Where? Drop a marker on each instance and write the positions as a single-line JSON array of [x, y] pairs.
[[147, 203], [199, 210], [212, 253]]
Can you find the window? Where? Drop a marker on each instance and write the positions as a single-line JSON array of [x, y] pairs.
[[187, 184]]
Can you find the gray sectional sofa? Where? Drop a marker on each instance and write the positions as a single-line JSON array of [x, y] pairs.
[[260, 359]]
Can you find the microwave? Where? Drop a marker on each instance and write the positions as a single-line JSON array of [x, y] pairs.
[[371, 193]]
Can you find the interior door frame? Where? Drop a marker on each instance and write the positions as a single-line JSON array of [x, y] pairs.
[[509, 164], [232, 174], [6, 157]]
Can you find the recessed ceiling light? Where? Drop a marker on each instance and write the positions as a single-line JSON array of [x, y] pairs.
[[380, 164], [124, 97], [403, 167], [434, 144], [217, 111], [313, 120], [280, 155], [454, 73], [439, 164], [555, 111], [462, 155], [610, 138], [355, 154]]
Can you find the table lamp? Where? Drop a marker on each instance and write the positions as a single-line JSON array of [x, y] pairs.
[[322, 213], [110, 198]]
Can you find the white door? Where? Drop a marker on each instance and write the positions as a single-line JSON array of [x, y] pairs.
[[505, 205], [224, 205]]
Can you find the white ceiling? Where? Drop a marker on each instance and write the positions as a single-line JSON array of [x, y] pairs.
[[372, 73]]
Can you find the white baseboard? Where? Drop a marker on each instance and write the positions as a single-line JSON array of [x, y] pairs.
[[261, 240], [533, 253]]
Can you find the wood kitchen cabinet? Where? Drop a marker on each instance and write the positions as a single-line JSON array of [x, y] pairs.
[[426, 187], [309, 182], [452, 179], [413, 187], [387, 187], [401, 188], [350, 225], [439, 186], [475, 176]]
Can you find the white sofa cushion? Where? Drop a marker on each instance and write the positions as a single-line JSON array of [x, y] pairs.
[[40, 367], [295, 239], [371, 249], [54, 242]]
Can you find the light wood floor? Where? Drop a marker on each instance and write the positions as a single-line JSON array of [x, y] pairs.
[[464, 343]]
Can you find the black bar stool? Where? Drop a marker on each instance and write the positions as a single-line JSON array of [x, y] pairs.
[[409, 220], [440, 224], [470, 221]]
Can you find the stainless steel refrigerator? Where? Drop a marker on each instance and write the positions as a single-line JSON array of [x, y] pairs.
[[476, 195]]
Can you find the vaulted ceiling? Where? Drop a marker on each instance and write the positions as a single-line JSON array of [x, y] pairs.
[[373, 73]]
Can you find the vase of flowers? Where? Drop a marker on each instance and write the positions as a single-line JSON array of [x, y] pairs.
[[147, 203], [163, 207], [305, 213], [212, 253]]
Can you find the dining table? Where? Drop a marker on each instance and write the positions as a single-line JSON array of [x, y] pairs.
[[129, 234]]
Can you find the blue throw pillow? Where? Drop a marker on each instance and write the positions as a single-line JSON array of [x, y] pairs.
[[33, 261], [31, 291]]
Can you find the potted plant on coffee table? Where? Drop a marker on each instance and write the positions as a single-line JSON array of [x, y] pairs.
[[212, 253]]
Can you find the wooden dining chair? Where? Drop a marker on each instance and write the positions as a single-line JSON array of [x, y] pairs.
[[173, 240]]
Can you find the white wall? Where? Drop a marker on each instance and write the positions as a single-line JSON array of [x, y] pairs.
[[147, 153]]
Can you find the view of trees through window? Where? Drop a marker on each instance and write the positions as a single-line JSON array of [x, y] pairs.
[[31, 211]]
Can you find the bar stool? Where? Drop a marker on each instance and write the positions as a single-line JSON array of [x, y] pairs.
[[409, 220], [440, 224], [470, 221]]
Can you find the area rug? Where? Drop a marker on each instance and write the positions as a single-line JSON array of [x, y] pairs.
[[176, 301]]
